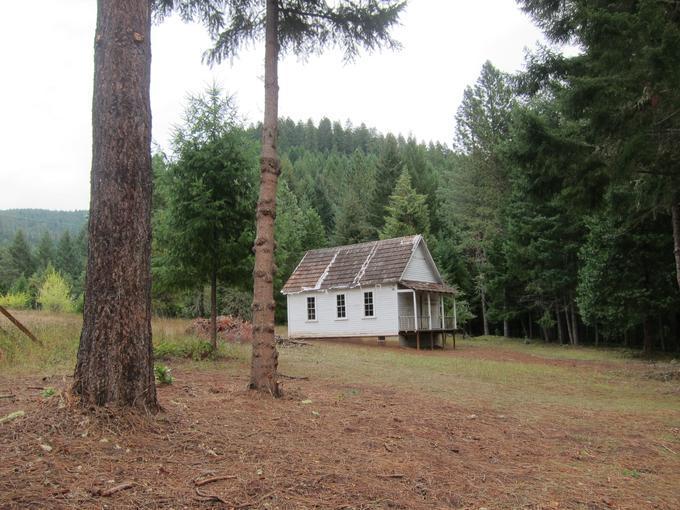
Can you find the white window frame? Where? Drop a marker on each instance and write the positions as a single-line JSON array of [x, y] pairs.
[[372, 304], [338, 306], [311, 300]]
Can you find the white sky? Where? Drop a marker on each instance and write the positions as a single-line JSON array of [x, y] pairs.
[[46, 87]]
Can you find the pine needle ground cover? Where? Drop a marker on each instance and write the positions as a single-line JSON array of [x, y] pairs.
[[495, 424]]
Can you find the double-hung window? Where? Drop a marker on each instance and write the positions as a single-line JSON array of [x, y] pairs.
[[340, 305], [311, 308], [369, 310]]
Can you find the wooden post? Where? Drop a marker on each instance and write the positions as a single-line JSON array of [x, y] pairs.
[[454, 339], [455, 321], [431, 337], [418, 339], [429, 312], [19, 325]]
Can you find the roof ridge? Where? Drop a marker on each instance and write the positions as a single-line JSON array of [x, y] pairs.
[[329, 248]]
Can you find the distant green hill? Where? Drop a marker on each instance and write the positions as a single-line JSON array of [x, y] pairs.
[[35, 221]]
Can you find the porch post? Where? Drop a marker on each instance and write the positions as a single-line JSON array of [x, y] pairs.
[[455, 318], [442, 321], [429, 312], [415, 313]]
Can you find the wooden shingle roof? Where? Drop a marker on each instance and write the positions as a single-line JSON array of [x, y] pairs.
[[354, 265]]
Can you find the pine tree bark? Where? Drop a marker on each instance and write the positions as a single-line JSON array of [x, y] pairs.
[[568, 322], [485, 321], [574, 323], [213, 309], [675, 218], [560, 333], [114, 364], [264, 361]]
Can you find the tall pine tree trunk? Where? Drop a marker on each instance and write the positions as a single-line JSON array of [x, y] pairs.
[[114, 364], [574, 323], [213, 309], [675, 218], [560, 333], [485, 321], [264, 361], [568, 322]]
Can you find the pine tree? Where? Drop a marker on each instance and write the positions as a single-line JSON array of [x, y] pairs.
[[66, 260], [303, 27], [21, 257], [205, 230], [388, 169], [114, 364], [45, 252], [407, 212]]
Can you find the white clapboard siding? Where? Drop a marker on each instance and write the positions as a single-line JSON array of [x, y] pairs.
[[419, 268], [384, 323]]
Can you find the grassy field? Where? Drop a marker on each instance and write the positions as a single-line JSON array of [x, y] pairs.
[[540, 426]]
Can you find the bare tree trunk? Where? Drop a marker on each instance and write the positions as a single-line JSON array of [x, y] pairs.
[[485, 321], [213, 309], [506, 328], [531, 326], [675, 218], [560, 334], [597, 336], [265, 357], [568, 322], [114, 364], [574, 323]]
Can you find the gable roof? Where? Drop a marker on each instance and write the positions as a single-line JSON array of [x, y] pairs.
[[354, 265]]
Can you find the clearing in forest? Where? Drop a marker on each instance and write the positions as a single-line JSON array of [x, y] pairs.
[[495, 424]]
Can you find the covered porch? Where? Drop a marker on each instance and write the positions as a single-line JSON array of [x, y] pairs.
[[423, 314]]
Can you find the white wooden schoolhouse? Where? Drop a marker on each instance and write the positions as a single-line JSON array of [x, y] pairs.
[[388, 289]]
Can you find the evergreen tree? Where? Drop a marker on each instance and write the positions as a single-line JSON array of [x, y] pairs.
[[622, 88], [388, 169], [67, 261], [45, 252], [407, 212], [115, 363], [205, 230], [21, 257], [352, 217]]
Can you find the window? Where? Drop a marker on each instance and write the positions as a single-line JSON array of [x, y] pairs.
[[311, 309], [340, 301], [368, 304]]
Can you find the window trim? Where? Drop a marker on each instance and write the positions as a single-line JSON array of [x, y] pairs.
[[338, 306], [372, 305], [314, 316]]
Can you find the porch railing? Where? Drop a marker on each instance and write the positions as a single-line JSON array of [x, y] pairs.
[[422, 322]]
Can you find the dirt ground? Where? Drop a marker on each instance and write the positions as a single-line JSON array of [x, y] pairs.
[[324, 445]]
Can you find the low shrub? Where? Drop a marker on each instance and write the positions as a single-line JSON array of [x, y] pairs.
[[55, 294], [16, 301], [163, 374], [191, 348]]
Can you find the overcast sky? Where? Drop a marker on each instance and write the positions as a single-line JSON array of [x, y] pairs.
[[46, 89]]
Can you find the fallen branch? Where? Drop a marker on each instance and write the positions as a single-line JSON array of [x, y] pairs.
[[667, 448], [293, 377], [394, 475], [19, 325], [211, 497], [205, 481], [112, 490], [7, 396]]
